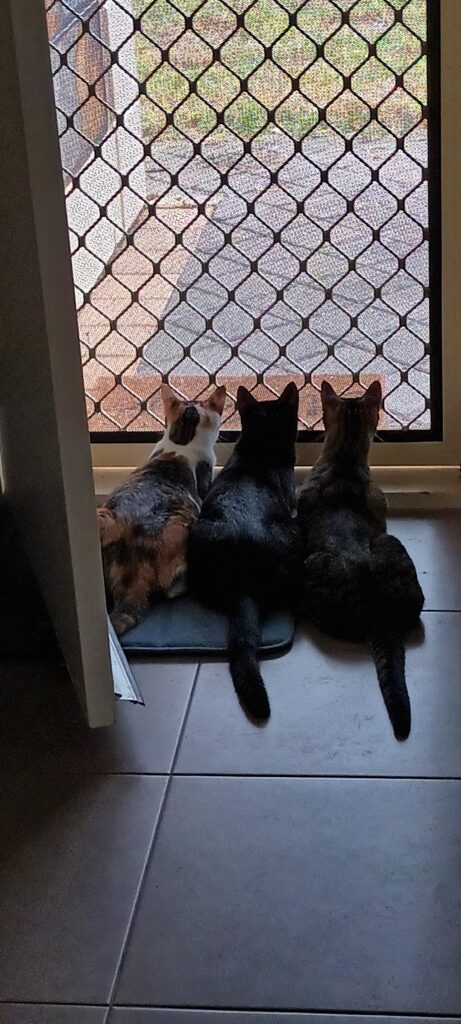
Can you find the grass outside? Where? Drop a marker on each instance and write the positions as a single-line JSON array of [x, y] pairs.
[[246, 88]]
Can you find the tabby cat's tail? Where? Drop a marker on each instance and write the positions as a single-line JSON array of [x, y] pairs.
[[389, 656], [244, 642]]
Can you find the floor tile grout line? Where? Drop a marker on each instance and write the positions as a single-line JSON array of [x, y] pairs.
[[444, 611], [373, 776], [318, 776], [54, 1002], [138, 894], [185, 720], [403, 1014], [144, 871], [256, 1010], [285, 775]]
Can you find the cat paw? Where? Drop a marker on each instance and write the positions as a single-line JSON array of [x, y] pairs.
[[122, 622]]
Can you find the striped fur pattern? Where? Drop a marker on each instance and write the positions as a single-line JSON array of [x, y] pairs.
[[144, 526], [360, 582]]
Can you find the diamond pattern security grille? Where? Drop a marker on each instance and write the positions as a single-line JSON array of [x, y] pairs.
[[247, 197]]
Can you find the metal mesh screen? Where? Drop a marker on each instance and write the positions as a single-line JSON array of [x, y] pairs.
[[247, 196]]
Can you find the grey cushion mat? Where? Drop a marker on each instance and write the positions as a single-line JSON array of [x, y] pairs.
[[184, 626]]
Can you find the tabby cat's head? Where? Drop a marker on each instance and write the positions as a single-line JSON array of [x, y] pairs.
[[350, 423], [187, 422], [269, 428]]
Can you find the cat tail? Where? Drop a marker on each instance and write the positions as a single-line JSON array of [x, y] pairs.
[[244, 642], [395, 600], [388, 653]]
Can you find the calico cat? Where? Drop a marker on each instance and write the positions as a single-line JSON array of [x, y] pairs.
[[145, 523], [360, 583], [243, 547]]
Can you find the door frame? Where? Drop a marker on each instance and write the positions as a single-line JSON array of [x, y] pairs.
[[46, 456]]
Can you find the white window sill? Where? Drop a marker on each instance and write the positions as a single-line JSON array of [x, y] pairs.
[[407, 488]]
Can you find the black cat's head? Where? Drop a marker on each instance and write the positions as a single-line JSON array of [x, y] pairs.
[[269, 428], [350, 423]]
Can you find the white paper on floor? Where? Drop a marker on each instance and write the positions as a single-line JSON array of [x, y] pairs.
[[125, 686]]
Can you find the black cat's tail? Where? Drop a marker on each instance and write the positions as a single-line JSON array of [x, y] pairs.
[[244, 642], [389, 656]]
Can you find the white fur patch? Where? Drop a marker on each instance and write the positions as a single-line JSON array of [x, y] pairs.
[[201, 448]]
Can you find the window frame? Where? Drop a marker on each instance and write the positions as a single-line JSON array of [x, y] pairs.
[[416, 449]]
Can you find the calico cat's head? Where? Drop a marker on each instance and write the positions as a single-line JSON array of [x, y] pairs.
[[350, 423], [269, 428], [187, 422]]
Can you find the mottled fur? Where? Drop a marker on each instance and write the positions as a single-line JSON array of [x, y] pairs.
[[360, 583], [144, 525], [243, 548]]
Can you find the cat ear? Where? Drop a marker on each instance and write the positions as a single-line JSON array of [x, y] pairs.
[[372, 402], [169, 397], [217, 400], [290, 394], [374, 394], [328, 394], [245, 399]]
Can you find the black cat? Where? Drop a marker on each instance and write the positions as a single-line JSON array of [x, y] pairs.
[[243, 549]]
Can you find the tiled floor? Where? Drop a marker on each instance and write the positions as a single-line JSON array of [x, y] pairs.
[[187, 868]]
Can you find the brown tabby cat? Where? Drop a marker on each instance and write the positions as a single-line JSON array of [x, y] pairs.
[[144, 525], [360, 583]]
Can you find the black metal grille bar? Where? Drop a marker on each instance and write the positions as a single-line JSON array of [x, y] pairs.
[[252, 191]]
